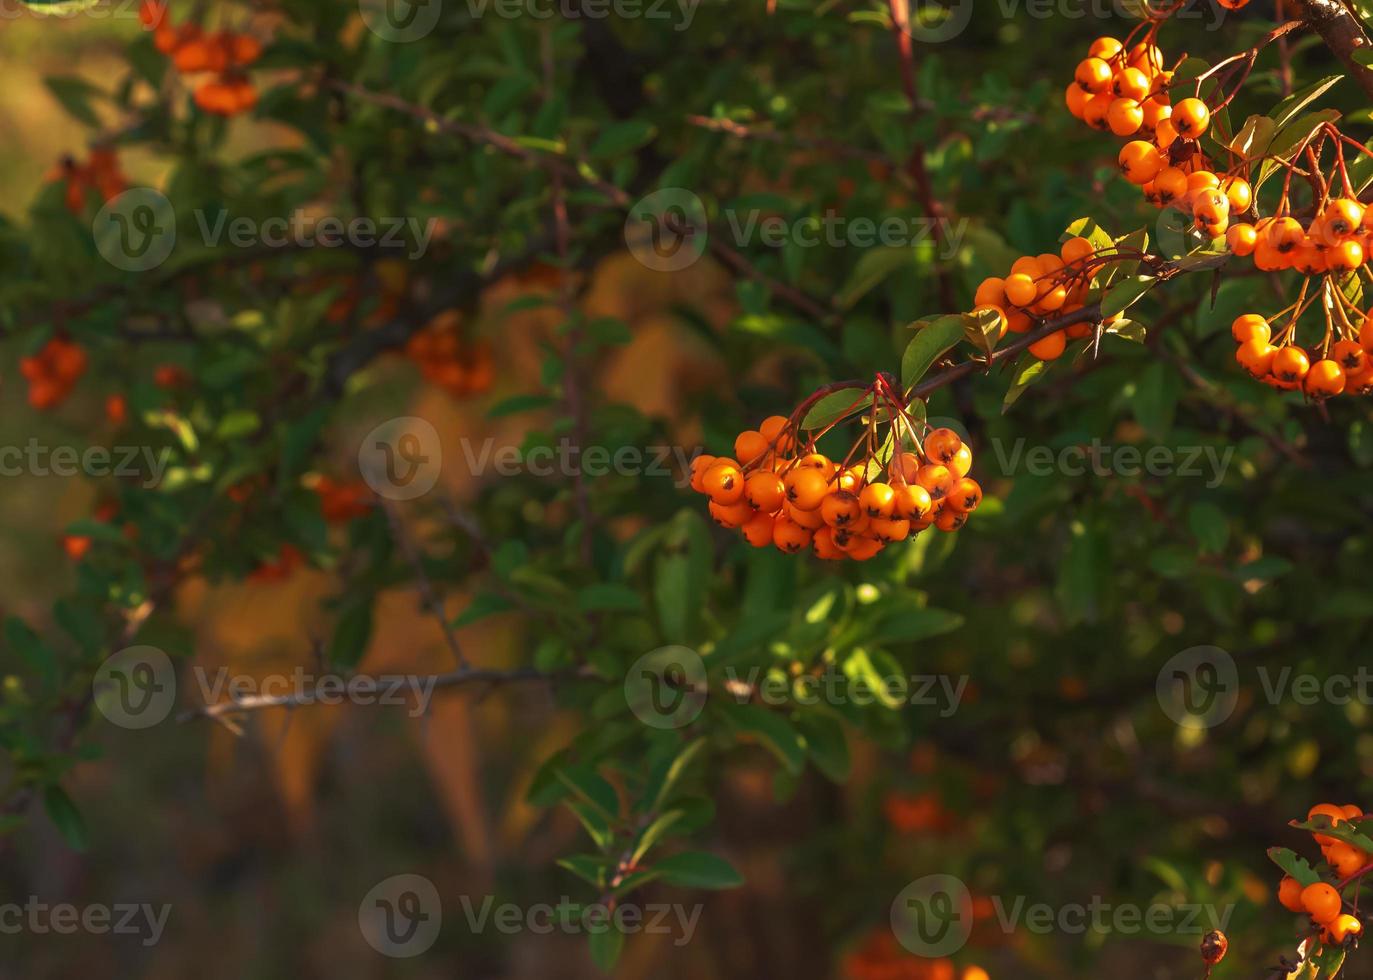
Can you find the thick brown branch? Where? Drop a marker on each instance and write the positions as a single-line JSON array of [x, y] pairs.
[[1341, 32]]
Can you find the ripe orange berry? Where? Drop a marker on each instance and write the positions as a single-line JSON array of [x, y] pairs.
[[1140, 162], [1284, 234], [765, 491], [1095, 111], [841, 509], [807, 488], [1325, 379], [1075, 98], [1321, 901], [1345, 858], [1105, 48], [822, 543], [950, 519], [1051, 347], [1333, 812], [1171, 184], [1256, 357], [724, 482], [758, 531], [1131, 84], [1343, 927], [772, 426], [890, 530], [809, 519], [816, 461], [1093, 75], [1124, 116], [935, 478], [1345, 257], [1248, 326], [699, 465], [1191, 117], [749, 446], [942, 445], [961, 463], [1366, 329], [1146, 57], [912, 502], [965, 495], [1076, 249], [1342, 216], [991, 292], [1242, 238], [1238, 193], [731, 515], [1290, 365], [1021, 289], [878, 500], [789, 536], [1352, 811], [1289, 894]]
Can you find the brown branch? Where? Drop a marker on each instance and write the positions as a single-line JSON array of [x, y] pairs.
[[1341, 32]]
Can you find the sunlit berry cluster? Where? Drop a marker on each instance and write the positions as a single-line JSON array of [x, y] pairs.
[[53, 372], [447, 359], [1122, 90], [218, 60], [1320, 892], [1041, 286], [778, 490]]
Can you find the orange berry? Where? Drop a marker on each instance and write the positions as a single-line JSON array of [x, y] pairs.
[[878, 500], [990, 292], [749, 446], [1345, 257], [1333, 812], [935, 478], [1352, 811], [1289, 894], [822, 543], [1325, 379], [1124, 116], [965, 495], [1256, 357], [1241, 239], [731, 515], [841, 509], [1105, 48], [765, 491], [961, 463], [1171, 184], [699, 465], [950, 519], [1248, 326], [724, 482], [1021, 289], [1345, 858], [1131, 84], [1051, 347], [789, 536], [759, 529], [1342, 216], [1191, 117], [116, 409], [1075, 98], [1290, 364], [1284, 234], [942, 445], [1093, 75], [807, 488], [912, 502], [1238, 193], [772, 427], [809, 519], [1343, 927], [1321, 901], [1097, 108], [890, 530], [1076, 250], [1140, 162]]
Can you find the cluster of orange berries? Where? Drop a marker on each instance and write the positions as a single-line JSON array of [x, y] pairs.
[[1322, 900], [223, 56], [1346, 367], [1040, 285], [339, 502], [100, 173], [447, 361], [1337, 240], [53, 371], [776, 496], [1121, 91]]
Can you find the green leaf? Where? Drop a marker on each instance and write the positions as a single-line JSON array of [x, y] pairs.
[[932, 339], [826, 744], [25, 642], [698, 869], [519, 403], [663, 781], [1155, 398], [874, 266], [1124, 294], [1254, 137], [66, 817], [1210, 527], [983, 328], [592, 789], [835, 406], [353, 633], [1028, 370], [591, 868], [606, 945], [775, 733], [483, 604], [1088, 228], [653, 833], [620, 138], [1290, 140], [912, 624], [609, 597], [1288, 109], [75, 95], [1294, 865]]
